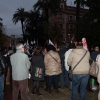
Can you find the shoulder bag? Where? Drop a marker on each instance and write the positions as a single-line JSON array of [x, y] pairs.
[[94, 68]]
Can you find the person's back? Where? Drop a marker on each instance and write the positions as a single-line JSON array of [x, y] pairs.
[[83, 66], [20, 66], [81, 72], [62, 53], [37, 70], [52, 66], [63, 77], [20, 70]]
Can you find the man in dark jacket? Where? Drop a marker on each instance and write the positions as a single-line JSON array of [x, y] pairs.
[[2, 72], [64, 80], [93, 57]]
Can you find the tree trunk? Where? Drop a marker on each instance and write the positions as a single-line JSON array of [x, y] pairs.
[[77, 10], [23, 29]]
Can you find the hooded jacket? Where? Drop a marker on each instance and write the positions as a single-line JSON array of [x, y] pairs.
[[75, 56]]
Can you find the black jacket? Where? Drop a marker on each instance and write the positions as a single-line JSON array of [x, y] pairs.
[[62, 55], [2, 65], [37, 62]]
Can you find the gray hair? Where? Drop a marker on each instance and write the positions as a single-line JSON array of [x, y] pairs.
[[19, 46]]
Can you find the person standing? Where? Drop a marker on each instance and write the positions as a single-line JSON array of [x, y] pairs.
[[20, 70], [2, 76], [64, 80], [67, 53], [98, 77], [52, 67], [93, 57], [37, 70], [81, 71]]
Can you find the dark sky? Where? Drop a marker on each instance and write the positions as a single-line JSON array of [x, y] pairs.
[[7, 9]]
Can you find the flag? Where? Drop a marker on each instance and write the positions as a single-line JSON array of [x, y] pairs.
[[32, 42], [55, 43], [84, 43], [50, 42], [25, 44]]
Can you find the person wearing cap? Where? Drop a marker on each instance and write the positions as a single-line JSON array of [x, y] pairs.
[[20, 70]]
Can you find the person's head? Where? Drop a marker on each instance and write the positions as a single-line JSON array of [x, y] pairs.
[[44, 50], [3, 50], [20, 46], [38, 51], [58, 48], [79, 45], [50, 47], [96, 48], [72, 46]]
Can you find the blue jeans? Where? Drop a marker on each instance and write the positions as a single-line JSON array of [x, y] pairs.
[[79, 80], [2, 87], [64, 79]]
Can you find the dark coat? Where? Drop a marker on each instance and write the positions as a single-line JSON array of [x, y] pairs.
[[37, 63], [62, 55], [2, 65], [94, 55]]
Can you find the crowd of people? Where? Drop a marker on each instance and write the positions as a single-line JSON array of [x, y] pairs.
[[49, 65]]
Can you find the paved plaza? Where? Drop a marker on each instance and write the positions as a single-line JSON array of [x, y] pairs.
[[63, 94]]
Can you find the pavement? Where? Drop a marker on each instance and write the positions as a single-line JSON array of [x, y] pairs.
[[63, 94]]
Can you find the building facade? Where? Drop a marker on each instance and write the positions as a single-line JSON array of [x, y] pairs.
[[66, 20]]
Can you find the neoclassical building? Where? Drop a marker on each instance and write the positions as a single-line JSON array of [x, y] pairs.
[[66, 19]]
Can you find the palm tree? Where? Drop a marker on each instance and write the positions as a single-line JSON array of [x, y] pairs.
[[47, 6], [34, 24], [20, 15], [1, 25]]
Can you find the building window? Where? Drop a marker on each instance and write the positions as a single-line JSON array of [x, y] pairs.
[[55, 16], [70, 18], [61, 26], [60, 15], [62, 6], [71, 27]]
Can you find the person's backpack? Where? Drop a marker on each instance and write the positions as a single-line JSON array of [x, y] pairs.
[[94, 68]]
